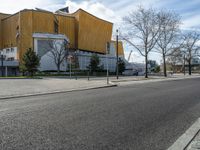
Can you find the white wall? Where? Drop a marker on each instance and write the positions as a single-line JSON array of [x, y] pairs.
[[10, 52], [46, 61], [84, 60]]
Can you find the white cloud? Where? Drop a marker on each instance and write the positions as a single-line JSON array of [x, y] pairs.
[[191, 22], [13, 6], [95, 8]]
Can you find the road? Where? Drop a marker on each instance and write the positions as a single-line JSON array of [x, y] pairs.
[[148, 116]]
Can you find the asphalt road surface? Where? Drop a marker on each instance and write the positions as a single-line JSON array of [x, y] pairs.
[[148, 116]]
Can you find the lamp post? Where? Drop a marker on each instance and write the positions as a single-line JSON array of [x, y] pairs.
[[107, 52], [70, 65], [117, 64]]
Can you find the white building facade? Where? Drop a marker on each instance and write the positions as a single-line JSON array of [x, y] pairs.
[[47, 63]]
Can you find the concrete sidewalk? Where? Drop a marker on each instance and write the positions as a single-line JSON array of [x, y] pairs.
[[10, 88], [141, 79]]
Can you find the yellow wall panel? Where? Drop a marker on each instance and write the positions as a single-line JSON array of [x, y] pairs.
[[120, 47], [93, 33], [43, 22], [1, 29], [9, 31], [67, 27], [26, 28]]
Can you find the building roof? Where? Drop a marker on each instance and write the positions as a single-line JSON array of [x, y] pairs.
[[59, 12]]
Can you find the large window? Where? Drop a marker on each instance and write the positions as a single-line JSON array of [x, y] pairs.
[[43, 47]]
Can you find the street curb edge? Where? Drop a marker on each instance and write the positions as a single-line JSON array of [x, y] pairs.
[[182, 142], [57, 92]]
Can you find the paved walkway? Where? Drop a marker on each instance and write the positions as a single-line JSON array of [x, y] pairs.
[[26, 87], [141, 79]]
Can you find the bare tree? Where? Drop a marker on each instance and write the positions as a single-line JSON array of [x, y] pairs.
[[190, 47], [169, 35], [58, 52], [142, 31], [175, 58]]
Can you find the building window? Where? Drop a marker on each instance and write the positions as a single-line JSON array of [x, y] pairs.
[[55, 27], [10, 59], [12, 49]]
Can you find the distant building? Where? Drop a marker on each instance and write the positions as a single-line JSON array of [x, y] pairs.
[[177, 66], [85, 33], [152, 64], [133, 68], [196, 61]]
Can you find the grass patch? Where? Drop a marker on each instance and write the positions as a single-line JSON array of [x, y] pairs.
[[21, 77]]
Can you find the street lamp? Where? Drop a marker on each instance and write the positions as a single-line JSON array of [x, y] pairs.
[[117, 63], [70, 65], [107, 52]]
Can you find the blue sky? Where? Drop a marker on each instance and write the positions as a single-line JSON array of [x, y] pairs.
[[114, 10]]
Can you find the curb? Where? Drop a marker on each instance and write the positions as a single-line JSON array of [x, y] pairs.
[[57, 92], [183, 141], [153, 80]]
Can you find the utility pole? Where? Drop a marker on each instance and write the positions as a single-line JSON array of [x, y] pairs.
[[117, 64], [69, 60]]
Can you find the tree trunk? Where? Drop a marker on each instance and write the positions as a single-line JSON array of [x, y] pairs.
[[146, 67], [58, 68], [190, 67], [164, 65]]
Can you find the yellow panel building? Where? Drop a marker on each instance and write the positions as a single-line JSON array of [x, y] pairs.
[[85, 32]]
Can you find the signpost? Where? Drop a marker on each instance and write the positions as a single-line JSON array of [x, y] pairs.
[[70, 65]]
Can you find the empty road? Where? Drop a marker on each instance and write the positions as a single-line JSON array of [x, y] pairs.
[[148, 116]]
